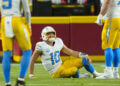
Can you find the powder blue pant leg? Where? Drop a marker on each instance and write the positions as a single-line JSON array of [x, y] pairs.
[[116, 58], [77, 75], [6, 65], [89, 67], [108, 57], [25, 63]]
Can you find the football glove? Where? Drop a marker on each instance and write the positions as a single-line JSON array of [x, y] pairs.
[[31, 76], [99, 20], [81, 55]]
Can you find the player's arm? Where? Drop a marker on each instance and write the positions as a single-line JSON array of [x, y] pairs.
[[105, 7], [103, 11], [34, 56], [0, 16], [74, 53], [27, 12]]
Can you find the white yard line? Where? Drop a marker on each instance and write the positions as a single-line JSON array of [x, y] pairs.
[[103, 84]]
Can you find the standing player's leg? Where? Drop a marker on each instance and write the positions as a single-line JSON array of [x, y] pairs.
[[108, 37], [116, 59], [23, 39], [7, 50]]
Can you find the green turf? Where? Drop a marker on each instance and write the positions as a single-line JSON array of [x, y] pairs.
[[44, 79]]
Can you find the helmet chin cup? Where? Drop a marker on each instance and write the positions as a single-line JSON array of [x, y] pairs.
[[51, 39]]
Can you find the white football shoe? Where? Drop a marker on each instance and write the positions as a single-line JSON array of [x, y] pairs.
[[108, 74], [84, 76], [116, 75], [96, 74], [116, 72]]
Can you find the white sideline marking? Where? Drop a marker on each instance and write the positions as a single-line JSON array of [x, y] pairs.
[[36, 84], [103, 84], [17, 64], [69, 84]]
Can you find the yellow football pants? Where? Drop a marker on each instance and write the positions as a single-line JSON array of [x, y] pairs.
[[68, 68], [22, 34], [111, 34]]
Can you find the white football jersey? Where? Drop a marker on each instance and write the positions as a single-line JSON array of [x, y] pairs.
[[114, 10], [51, 54], [13, 7]]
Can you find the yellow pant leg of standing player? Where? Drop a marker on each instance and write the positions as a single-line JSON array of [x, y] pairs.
[[117, 41], [110, 45], [7, 43], [0, 31], [109, 33], [22, 34]]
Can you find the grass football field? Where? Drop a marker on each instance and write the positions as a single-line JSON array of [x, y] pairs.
[[44, 79]]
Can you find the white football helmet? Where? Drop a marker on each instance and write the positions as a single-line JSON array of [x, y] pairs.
[[46, 30]]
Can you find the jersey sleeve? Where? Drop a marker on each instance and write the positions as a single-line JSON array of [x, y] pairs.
[[61, 42], [27, 11], [38, 46]]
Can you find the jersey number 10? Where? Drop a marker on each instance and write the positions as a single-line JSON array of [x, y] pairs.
[[55, 57], [118, 2], [4, 6]]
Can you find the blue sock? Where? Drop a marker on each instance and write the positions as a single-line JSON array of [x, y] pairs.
[[25, 62], [6, 65], [116, 58], [89, 67], [108, 57], [77, 75]]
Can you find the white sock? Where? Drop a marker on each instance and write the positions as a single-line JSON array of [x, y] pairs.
[[108, 68], [115, 69], [7, 83], [95, 73], [21, 79]]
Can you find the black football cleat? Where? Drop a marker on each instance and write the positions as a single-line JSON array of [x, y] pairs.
[[20, 83], [7, 85]]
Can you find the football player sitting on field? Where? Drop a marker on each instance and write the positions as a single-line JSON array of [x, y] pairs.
[[49, 51]]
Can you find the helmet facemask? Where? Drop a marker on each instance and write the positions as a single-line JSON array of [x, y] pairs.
[[51, 39], [45, 34]]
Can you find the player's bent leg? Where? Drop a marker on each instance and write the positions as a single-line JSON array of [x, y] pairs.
[[64, 72], [78, 75], [76, 62], [90, 68], [6, 66]]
